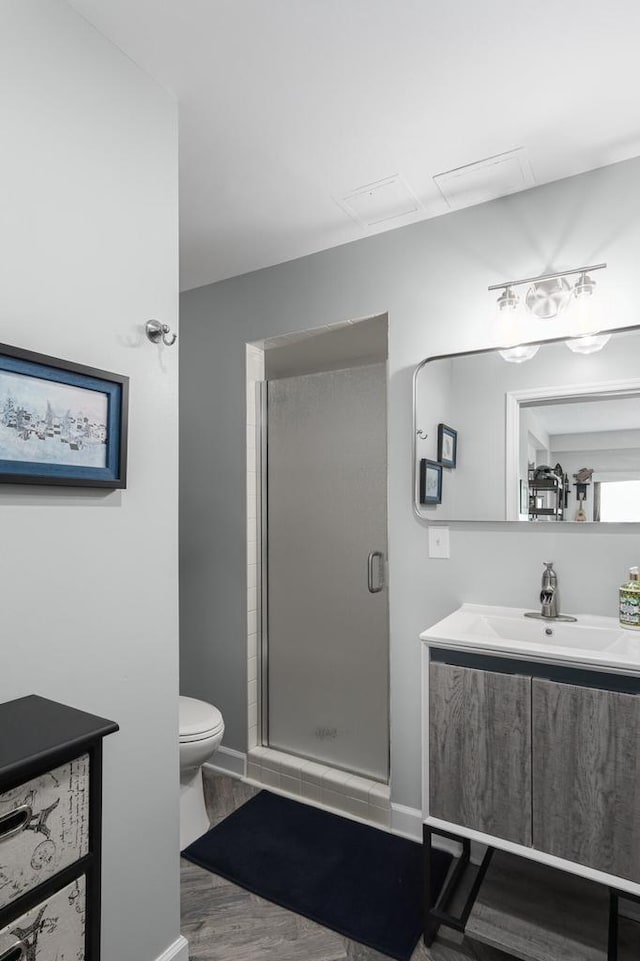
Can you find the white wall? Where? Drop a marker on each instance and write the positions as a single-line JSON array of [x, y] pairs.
[[533, 439], [432, 278], [88, 252]]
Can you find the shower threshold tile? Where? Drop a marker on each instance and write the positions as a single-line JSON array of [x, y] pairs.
[[336, 780], [293, 785], [315, 774], [358, 787], [291, 765], [312, 792], [380, 796], [270, 778], [356, 807]]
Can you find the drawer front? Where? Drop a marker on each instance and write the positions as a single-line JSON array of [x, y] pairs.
[[52, 931], [44, 827]]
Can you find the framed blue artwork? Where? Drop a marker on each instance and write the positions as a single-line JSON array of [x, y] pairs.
[[61, 423], [447, 445], [430, 482]]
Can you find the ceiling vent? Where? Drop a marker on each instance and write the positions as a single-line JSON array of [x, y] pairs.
[[506, 173], [380, 202]]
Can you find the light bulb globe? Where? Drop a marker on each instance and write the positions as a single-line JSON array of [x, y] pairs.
[[588, 344], [519, 354]]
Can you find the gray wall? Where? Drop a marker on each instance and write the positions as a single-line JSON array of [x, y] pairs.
[[88, 251], [432, 278]]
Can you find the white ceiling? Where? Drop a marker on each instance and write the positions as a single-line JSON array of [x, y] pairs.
[[288, 105], [589, 416]]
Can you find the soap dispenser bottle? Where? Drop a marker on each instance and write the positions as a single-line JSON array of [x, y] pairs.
[[630, 601]]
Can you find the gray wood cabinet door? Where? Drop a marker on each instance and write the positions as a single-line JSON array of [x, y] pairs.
[[480, 750], [586, 776]]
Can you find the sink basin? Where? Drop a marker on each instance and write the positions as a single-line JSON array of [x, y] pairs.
[[590, 640], [583, 637]]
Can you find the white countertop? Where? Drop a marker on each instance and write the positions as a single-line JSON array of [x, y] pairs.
[[593, 642]]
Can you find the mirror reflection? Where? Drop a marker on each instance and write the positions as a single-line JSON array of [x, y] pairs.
[[554, 439]]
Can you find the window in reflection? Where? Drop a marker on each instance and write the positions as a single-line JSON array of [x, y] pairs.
[[620, 501]]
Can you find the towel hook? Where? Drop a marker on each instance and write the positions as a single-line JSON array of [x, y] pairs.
[[157, 332]]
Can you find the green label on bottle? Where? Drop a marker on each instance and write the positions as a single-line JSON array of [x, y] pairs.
[[630, 608]]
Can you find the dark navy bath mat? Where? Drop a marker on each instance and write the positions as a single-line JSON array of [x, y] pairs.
[[363, 883]]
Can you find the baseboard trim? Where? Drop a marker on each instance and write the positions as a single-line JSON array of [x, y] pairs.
[[178, 951], [229, 762], [406, 821]]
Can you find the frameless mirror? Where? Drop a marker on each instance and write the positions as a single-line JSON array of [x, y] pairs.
[[552, 439]]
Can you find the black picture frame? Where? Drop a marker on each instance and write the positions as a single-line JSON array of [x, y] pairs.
[[447, 445], [430, 481], [41, 406]]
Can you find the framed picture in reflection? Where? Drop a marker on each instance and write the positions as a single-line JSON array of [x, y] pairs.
[[447, 445], [430, 482]]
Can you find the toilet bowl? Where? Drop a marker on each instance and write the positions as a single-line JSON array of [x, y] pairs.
[[200, 732]]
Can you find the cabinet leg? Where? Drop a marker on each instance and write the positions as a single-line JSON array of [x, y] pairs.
[[612, 952], [430, 925], [435, 916]]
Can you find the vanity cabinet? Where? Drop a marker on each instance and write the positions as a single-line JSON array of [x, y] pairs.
[[480, 750], [50, 830], [586, 776], [547, 764], [531, 748]]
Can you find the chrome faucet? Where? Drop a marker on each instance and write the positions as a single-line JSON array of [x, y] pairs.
[[549, 597], [549, 591]]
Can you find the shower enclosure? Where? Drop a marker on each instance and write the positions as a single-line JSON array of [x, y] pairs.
[[325, 635]]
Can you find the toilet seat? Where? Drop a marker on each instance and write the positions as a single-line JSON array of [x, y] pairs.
[[198, 720]]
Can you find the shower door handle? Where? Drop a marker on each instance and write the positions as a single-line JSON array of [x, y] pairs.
[[370, 584]]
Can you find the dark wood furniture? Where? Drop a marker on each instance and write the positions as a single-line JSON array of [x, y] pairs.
[[50, 830]]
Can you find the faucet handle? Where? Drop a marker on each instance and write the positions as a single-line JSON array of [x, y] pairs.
[[549, 577]]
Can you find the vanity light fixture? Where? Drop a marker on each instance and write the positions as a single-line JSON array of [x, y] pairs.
[[518, 355], [587, 325], [547, 296], [509, 310]]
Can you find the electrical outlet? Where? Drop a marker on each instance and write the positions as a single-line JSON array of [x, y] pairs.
[[439, 542]]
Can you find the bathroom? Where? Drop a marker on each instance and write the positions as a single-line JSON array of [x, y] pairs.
[[77, 102]]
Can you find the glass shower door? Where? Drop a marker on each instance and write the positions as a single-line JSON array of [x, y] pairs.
[[327, 677]]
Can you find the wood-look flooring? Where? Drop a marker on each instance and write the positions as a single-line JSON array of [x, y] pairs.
[[223, 922]]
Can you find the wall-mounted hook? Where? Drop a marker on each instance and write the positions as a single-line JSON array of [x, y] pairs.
[[157, 332], [421, 434]]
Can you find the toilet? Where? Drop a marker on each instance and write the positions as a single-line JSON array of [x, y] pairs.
[[201, 728]]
